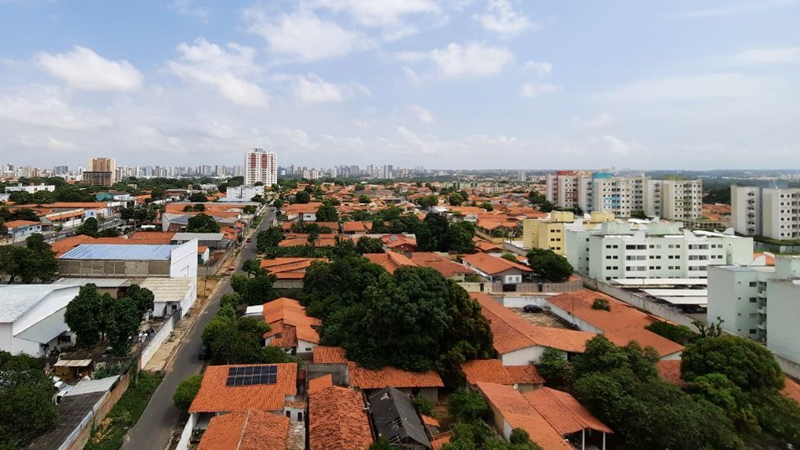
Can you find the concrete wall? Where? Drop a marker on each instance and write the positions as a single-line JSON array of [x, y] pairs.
[[783, 310], [115, 269], [729, 294], [339, 372], [522, 357], [486, 288], [580, 323], [641, 303], [186, 434], [78, 439], [183, 260], [154, 344]]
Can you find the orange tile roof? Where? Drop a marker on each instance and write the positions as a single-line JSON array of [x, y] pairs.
[[485, 246], [246, 430], [396, 240], [288, 317], [86, 205], [524, 374], [493, 265], [670, 371], [356, 227], [519, 413], [438, 442], [621, 325], [390, 261], [21, 223], [202, 249], [288, 268], [294, 240], [563, 411], [215, 396], [318, 384], [328, 355], [300, 208], [440, 264], [430, 421], [792, 389], [64, 245], [390, 376], [337, 420], [769, 258], [486, 370], [511, 332]]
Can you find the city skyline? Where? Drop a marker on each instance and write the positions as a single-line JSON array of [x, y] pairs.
[[461, 84]]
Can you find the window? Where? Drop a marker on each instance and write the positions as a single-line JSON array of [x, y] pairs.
[[753, 284], [753, 299]]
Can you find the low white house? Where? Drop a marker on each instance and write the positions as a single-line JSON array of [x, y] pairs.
[[32, 317]]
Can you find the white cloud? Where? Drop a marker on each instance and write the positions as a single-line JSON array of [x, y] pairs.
[[378, 13], [472, 60], [424, 115], [540, 69], [601, 121], [736, 8], [687, 88], [531, 90], [226, 69], [186, 7], [411, 76], [45, 106], [365, 123], [46, 141], [303, 36], [764, 56], [84, 69], [501, 18], [313, 89], [611, 144]]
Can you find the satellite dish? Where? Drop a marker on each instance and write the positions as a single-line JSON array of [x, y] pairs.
[[516, 386]]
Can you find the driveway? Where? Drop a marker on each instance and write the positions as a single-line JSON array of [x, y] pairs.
[[154, 428]]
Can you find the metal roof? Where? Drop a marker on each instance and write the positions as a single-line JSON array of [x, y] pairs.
[[167, 289], [90, 386], [677, 292], [396, 419], [699, 301], [186, 237], [126, 252], [15, 301], [650, 282], [46, 329]]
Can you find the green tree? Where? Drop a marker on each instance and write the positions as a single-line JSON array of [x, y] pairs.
[[3, 228], [680, 334], [26, 406], [466, 405], [368, 244], [455, 199], [108, 233], [487, 206], [125, 321], [278, 203], [198, 197], [202, 223], [302, 197], [459, 237], [89, 227], [554, 367], [256, 290], [548, 265], [747, 364], [144, 298], [252, 267], [270, 237], [81, 315], [35, 262], [186, 392], [364, 198], [638, 214], [433, 234], [327, 213]]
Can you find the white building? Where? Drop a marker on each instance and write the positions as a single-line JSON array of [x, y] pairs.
[[761, 303], [260, 167], [600, 191], [617, 250], [768, 212], [240, 194], [31, 188], [32, 317]]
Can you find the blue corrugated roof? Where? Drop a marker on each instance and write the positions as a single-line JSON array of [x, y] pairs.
[[134, 252]]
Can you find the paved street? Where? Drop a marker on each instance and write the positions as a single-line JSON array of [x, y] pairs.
[[154, 428]]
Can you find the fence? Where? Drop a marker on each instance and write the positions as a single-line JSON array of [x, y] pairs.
[[155, 342], [186, 434], [486, 288], [790, 367], [78, 439], [640, 302]]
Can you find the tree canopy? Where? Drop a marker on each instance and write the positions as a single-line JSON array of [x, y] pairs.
[[202, 223], [549, 265], [26, 406], [368, 244], [302, 197], [186, 392], [35, 262], [89, 227], [747, 364], [327, 213]]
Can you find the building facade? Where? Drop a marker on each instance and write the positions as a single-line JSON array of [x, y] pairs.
[[768, 212], [103, 165], [616, 250], [760, 303], [260, 167]]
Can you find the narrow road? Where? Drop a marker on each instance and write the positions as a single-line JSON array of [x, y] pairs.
[[154, 428]]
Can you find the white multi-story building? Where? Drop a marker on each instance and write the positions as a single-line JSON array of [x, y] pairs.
[[242, 193], [761, 303], [768, 212], [668, 199], [31, 188], [260, 167], [618, 250]]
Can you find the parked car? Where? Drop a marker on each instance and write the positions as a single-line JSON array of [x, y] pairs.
[[531, 309], [249, 240], [204, 352]]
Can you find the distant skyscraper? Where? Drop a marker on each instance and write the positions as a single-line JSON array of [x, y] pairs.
[[101, 172], [260, 166]]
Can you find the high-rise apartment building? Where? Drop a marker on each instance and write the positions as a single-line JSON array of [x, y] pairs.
[[768, 212], [260, 166], [101, 172], [601, 191]]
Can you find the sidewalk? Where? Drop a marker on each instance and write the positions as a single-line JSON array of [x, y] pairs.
[[164, 354]]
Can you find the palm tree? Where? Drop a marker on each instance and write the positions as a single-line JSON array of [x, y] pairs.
[[313, 238]]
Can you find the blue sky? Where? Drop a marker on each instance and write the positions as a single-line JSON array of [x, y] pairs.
[[657, 84]]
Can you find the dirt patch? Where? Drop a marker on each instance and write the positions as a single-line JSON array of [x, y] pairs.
[[544, 319]]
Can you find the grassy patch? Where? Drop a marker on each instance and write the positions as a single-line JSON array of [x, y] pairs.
[[767, 240], [109, 435]]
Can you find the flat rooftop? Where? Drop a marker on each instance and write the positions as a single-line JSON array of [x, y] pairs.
[[134, 252]]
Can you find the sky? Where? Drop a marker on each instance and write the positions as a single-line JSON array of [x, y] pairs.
[[460, 84]]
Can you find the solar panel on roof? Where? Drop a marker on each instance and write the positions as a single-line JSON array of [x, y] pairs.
[[252, 375]]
